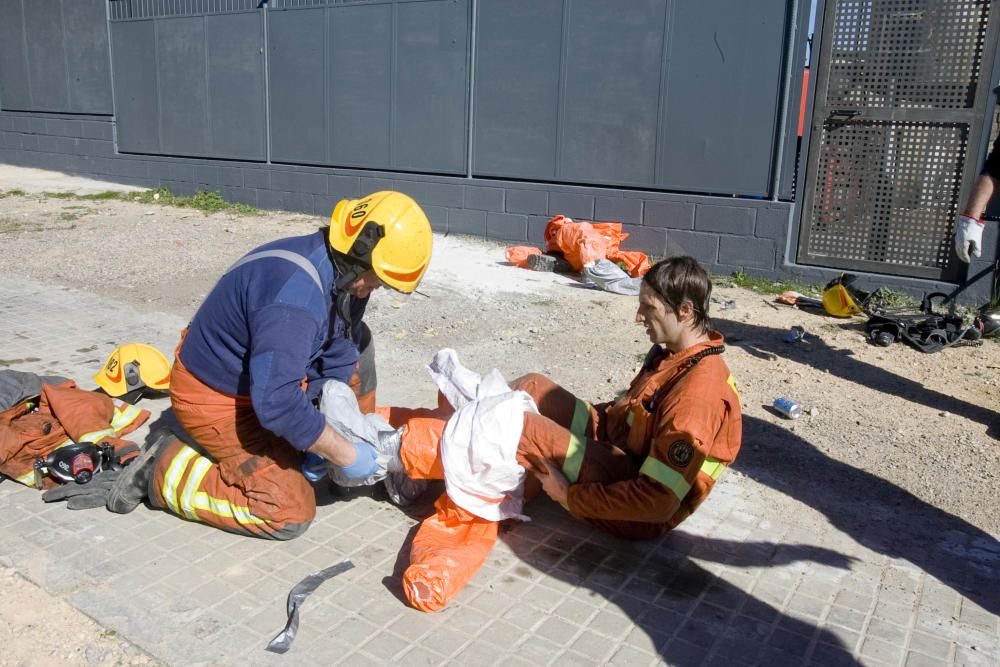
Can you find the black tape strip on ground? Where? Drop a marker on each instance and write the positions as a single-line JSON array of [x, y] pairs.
[[283, 640]]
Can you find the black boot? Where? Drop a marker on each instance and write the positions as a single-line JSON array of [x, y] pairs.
[[132, 485]]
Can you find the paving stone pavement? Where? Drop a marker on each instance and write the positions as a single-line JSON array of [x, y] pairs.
[[755, 577]]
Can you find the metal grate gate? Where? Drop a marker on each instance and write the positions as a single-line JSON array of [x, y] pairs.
[[899, 107]]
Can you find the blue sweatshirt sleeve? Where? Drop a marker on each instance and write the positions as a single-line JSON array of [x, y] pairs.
[[280, 346]]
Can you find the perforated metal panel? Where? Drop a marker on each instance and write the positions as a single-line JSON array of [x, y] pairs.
[[896, 129], [123, 10], [888, 193], [907, 53]]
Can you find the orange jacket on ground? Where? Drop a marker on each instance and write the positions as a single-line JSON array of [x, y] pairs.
[[64, 415]]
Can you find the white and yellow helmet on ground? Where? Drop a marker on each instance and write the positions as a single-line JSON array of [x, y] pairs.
[[133, 368], [386, 231]]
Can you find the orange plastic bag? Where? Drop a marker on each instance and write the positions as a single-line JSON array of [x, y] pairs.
[[518, 254], [583, 242], [635, 262], [448, 550]]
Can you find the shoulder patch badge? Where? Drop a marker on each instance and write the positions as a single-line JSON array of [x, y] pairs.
[[680, 453]]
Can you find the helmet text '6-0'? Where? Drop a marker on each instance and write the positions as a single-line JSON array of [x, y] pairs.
[[386, 231]]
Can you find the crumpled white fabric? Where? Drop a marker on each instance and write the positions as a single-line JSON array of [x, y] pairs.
[[339, 406], [610, 277], [479, 443]]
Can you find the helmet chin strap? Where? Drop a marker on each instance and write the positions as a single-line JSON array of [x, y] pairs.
[[352, 265], [347, 272]]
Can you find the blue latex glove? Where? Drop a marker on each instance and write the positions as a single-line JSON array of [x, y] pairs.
[[314, 467], [364, 464]]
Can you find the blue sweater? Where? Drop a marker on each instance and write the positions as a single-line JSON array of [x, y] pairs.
[[265, 326]]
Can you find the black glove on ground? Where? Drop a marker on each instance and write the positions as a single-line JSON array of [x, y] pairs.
[[84, 496]]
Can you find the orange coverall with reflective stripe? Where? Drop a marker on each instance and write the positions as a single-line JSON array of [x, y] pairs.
[[637, 466], [250, 482]]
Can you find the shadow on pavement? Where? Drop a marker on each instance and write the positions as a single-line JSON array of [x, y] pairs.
[[874, 512], [764, 342], [687, 612]]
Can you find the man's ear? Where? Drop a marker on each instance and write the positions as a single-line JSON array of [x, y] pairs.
[[685, 312]]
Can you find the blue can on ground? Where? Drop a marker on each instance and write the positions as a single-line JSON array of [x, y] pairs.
[[788, 407]]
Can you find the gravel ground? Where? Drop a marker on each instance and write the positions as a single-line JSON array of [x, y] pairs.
[[892, 432]]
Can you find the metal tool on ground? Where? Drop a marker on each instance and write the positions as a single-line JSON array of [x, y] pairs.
[[283, 640]]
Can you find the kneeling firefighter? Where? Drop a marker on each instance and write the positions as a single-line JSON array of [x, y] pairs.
[[282, 321]]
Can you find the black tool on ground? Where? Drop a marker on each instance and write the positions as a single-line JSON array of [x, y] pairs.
[[76, 462], [283, 640], [928, 329]]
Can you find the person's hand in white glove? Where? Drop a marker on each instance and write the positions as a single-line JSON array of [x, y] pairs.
[[968, 237]]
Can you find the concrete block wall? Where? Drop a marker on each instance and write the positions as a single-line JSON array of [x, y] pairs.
[[725, 234]]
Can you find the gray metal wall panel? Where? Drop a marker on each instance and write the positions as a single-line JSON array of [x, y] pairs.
[[137, 110], [722, 83], [786, 189], [236, 85], [297, 81], [86, 40], [46, 52], [360, 95], [431, 80], [15, 90], [180, 68], [516, 88], [614, 53]]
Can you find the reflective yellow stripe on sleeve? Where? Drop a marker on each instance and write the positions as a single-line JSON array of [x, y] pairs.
[[125, 416], [666, 476], [577, 441], [28, 479], [713, 468], [96, 436], [673, 480], [731, 381]]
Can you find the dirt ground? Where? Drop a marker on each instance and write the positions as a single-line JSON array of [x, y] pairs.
[[904, 428]]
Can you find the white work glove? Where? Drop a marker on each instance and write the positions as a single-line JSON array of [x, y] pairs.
[[968, 237]]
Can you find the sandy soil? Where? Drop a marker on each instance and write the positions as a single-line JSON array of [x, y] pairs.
[[893, 428]]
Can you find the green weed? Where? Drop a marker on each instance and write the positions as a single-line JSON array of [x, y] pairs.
[[764, 285], [107, 195], [11, 193], [207, 202], [67, 215], [12, 226]]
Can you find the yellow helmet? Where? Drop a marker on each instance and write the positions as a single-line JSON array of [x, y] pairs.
[[839, 297], [386, 231], [133, 368]]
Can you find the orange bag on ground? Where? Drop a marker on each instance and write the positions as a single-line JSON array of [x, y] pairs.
[[518, 254], [635, 262], [581, 242], [448, 549]]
